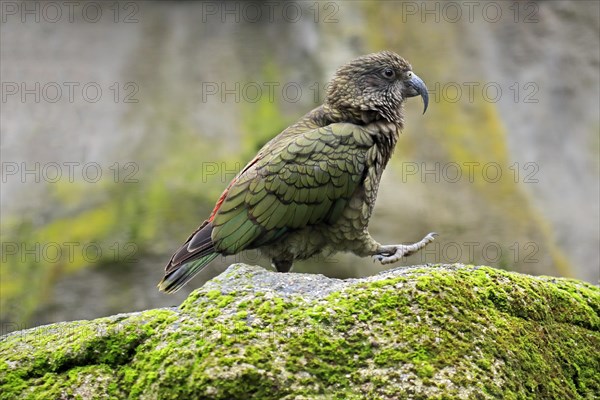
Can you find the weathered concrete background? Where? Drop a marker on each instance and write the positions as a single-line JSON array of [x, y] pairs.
[[531, 116]]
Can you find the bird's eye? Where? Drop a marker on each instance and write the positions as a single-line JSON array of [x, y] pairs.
[[389, 73]]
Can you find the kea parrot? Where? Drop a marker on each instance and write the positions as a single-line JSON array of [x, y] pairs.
[[311, 189]]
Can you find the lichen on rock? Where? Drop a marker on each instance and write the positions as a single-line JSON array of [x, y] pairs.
[[438, 331]]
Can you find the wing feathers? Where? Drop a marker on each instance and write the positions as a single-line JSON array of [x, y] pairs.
[[297, 180]]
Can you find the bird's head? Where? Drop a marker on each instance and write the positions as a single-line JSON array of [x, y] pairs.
[[375, 86]]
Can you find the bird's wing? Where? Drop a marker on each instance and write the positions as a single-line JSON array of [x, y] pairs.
[[296, 181]]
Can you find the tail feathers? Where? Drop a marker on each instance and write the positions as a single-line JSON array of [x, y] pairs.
[[174, 280], [189, 259], [198, 245]]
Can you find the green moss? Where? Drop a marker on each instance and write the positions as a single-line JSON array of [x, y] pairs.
[[435, 332]]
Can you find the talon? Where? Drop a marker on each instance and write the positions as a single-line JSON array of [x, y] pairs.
[[393, 253]]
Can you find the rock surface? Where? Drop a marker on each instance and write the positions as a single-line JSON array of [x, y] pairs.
[[442, 331]]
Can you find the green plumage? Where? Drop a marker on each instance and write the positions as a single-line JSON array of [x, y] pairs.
[[312, 188], [321, 171]]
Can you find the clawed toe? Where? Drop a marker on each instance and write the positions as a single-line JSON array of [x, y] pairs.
[[393, 253], [380, 257]]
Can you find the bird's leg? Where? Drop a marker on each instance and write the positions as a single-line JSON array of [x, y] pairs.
[[282, 265], [392, 253]]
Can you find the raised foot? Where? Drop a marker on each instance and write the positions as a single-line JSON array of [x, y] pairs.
[[392, 253]]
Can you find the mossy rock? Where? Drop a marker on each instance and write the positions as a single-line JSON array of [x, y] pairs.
[[425, 332]]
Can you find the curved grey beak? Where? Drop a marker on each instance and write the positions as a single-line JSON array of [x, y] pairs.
[[416, 87]]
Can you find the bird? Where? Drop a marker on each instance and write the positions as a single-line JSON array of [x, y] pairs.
[[311, 189]]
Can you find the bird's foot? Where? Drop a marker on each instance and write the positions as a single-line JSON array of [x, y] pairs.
[[392, 253]]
